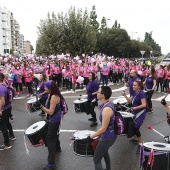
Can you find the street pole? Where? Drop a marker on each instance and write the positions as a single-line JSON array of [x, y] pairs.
[[142, 52]]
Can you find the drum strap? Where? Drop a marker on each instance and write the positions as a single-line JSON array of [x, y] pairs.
[[150, 159], [139, 114]]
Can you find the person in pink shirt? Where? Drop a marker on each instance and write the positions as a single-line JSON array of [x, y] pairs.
[[120, 74], [86, 74], [68, 78], [19, 73], [160, 73], [28, 77], [105, 72]]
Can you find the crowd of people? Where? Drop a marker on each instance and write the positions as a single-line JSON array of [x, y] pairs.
[[56, 73]]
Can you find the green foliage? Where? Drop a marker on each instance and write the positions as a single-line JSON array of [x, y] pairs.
[[11, 51], [151, 42], [77, 32], [71, 33], [93, 18]]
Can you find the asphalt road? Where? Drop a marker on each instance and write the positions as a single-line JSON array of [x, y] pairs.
[[123, 154]]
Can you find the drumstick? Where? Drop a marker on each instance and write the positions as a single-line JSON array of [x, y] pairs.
[[150, 127], [165, 96]]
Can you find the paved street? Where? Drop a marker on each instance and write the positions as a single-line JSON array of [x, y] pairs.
[[123, 154]]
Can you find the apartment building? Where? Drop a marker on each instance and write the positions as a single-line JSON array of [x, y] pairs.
[[9, 32], [27, 47], [5, 32], [21, 43]]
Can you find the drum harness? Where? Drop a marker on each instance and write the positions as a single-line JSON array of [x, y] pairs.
[[150, 155]]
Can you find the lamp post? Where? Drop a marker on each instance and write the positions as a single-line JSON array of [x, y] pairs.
[[150, 54], [133, 33]]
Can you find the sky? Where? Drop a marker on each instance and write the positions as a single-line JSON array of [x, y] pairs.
[[135, 16]]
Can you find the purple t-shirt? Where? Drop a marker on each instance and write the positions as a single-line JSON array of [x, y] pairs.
[[109, 133], [149, 82], [136, 100], [131, 81], [4, 93], [92, 87], [56, 117], [41, 90]]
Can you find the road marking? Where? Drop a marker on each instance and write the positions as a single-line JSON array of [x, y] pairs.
[[62, 130]]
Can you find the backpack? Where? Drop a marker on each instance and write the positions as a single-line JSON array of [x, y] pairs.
[[119, 123], [63, 105]]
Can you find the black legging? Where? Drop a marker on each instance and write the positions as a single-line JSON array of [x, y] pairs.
[[137, 132], [29, 85], [90, 106], [160, 81], [149, 96], [16, 84]]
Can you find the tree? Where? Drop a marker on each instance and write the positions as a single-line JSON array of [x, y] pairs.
[[152, 43], [103, 26], [93, 18], [71, 33], [31, 48], [116, 25]]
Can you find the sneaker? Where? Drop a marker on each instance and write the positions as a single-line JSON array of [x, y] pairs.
[[42, 114], [4, 147], [94, 124], [28, 95], [138, 149], [132, 140], [91, 119], [50, 167], [12, 137]]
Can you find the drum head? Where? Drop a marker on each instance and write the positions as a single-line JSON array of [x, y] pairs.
[[82, 134], [84, 96], [120, 100], [126, 114], [35, 127], [157, 146], [31, 101], [79, 101]]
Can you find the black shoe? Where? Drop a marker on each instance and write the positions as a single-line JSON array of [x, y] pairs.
[[94, 124], [91, 119], [138, 149], [50, 167], [12, 137]]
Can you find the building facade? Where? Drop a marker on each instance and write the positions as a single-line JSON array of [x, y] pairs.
[[27, 47], [21, 43], [9, 32]]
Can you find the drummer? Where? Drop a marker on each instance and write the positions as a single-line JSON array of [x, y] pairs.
[[41, 92], [53, 109], [106, 131], [138, 100], [91, 90]]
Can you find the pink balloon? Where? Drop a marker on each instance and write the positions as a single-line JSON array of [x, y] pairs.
[[63, 71], [5, 60]]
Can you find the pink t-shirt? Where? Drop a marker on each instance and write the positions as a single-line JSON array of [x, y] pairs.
[[18, 73]]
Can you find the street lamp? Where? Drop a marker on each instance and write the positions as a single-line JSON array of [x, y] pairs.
[[133, 33], [150, 54]]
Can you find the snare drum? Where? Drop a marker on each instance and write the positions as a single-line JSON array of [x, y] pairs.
[[127, 117], [161, 155], [80, 147], [36, 133], [32, 105], [118, 104], [79, 105]]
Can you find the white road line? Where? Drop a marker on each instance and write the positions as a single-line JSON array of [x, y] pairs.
[[62, 130]]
